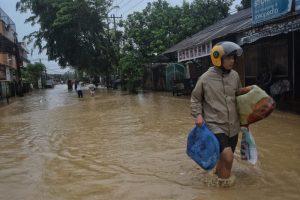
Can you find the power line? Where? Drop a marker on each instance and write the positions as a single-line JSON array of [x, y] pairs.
[[124, 3], [119, 2], [133, 7]]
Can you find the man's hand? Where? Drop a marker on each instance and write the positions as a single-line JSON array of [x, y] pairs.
[[243, 90], [199, 120]]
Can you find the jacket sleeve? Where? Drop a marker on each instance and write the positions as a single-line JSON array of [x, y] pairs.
[[197, 99], [239, 82], [240, 89]]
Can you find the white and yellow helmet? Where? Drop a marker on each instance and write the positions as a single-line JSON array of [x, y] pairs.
[[224, 49]]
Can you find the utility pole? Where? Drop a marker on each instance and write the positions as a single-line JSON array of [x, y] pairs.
[[114, 17], [115, 29], [115, 38], [108, 73]]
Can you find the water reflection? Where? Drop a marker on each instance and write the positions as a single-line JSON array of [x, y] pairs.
[[118, 146]]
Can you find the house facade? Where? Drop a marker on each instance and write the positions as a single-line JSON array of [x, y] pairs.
[[194, 51], [272, 44], [13, 56], [269, 33]]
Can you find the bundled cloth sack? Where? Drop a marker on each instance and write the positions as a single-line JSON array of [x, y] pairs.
[[203, 147], [248, 146], [254, 104]]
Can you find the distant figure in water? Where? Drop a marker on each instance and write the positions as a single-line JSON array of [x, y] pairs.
[[92, 89], [75, 85], [79, 89]]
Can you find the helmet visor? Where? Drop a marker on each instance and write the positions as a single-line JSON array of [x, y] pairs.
[[231, 48]]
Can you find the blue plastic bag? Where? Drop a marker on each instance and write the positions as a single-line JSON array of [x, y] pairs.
[[203, 147]]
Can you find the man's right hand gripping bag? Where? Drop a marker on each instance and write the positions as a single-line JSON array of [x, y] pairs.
[[203, 147], [254, 105]]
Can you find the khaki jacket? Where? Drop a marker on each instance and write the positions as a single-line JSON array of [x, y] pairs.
[[214, 97]]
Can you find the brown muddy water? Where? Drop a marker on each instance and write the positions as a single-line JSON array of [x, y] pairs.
[[114, 146]]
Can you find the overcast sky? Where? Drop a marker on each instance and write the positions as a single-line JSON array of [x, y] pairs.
[[126, 7]]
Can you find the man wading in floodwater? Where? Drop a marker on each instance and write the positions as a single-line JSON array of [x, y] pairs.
[[213, 101]]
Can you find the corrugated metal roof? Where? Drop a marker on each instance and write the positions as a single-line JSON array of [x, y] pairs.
[[233, 23]]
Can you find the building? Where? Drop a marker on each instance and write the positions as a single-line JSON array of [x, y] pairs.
[[13, 56], [269, 33], [271, 44], [194, 51]]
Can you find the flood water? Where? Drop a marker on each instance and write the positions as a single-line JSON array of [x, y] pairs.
[[114, 146]]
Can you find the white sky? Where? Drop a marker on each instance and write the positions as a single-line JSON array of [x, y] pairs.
[[126, 7]]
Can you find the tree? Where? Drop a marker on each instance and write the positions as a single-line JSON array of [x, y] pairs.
[[206, 12], [131, 70], [34, 72], [76, 32], [160, 26], [244, 4]]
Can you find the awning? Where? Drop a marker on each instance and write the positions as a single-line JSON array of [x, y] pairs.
[[270, 30]]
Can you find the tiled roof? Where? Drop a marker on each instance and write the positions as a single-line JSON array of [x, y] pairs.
[[231, 24]]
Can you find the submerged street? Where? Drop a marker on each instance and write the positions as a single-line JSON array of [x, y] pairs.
[[54, 146]]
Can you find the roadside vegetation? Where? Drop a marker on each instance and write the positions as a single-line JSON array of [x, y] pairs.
[[81, 34]]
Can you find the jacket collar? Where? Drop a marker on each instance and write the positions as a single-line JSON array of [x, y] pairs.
[[218, 70]]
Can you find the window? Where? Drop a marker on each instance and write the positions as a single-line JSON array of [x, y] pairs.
[[191, 53]]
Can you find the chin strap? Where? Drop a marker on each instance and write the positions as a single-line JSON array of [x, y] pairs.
[[225, 71]]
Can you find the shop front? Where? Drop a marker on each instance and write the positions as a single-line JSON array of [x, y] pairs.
[[7, 86], [271, 56]]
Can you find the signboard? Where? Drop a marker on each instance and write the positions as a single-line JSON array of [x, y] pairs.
[[297, 4], [264, 10]]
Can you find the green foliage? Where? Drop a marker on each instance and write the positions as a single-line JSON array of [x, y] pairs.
[[244, 4], [76, 32], [33, 73], [206, 12], [160, 26], [131, 69]]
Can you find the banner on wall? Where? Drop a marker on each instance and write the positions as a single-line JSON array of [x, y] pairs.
[[264, 10]]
